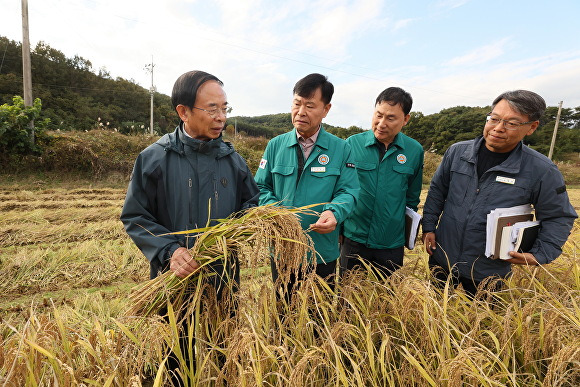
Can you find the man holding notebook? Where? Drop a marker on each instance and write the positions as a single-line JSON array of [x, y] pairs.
[[487, 173], [389, 165]]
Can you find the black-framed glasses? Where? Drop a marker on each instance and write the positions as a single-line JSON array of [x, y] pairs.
[[508, 124], [214, 112]]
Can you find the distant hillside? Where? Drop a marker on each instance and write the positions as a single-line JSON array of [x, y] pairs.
[[77, 97], [271, 125]]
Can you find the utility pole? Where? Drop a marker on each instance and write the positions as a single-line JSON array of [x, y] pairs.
[[26, 66], [555, 131], [149, 67]]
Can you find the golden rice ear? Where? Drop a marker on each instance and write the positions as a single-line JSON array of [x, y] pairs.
[[262, 230]]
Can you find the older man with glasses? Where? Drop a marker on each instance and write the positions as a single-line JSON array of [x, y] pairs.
[[187, 179], [489, 172]]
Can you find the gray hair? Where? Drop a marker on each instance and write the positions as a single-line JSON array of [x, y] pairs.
[[524, 102]]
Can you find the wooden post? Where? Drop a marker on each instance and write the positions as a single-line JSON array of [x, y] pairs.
[[26, 66], [149, 67], [555, 131]]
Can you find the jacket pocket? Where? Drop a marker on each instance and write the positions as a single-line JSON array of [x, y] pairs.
[[508, 195], [366, 166], [458, 186], [402, 174], [328, 172], [283, 170], [403, 169], [284, 183]]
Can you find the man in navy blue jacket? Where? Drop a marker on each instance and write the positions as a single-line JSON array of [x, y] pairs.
[[494, 171]]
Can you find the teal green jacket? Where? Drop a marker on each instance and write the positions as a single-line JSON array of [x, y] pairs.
[[329, 177], [378, 220]]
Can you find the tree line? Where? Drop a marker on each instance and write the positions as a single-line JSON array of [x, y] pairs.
[[438, 131], [271, 125], [74, 96]]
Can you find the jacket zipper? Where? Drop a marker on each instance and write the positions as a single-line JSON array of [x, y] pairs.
[[190, 203], [215, 193]]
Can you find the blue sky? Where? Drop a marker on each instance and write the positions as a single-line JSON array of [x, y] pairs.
[[444, 52]]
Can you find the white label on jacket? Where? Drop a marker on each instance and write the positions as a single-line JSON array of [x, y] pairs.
[[507, 180], [263, 163], [318, 169]]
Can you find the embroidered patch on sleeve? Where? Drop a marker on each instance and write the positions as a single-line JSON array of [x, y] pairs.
[[561, 189], [263, 163]]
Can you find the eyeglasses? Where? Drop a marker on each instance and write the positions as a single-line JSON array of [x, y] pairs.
[[213, 113], [509, 125]]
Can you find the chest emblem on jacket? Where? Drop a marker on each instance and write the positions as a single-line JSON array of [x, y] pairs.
[[401, 158], [323, 159]]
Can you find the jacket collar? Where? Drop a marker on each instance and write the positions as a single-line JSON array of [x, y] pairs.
[[511, 165], [322, 141], [177, 141], [370, 139]]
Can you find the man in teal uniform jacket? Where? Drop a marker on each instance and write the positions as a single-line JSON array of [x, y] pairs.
[[390, 170], [307, 166]]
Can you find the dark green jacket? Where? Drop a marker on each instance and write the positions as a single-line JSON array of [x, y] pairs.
[[387, 186], [329, 177], [173, 182]]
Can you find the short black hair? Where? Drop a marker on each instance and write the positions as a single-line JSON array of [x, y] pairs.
[[396, 96], [186, 86], [306, 87], [524, 102]]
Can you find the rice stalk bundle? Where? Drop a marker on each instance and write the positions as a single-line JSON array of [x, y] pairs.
[[267, 229]]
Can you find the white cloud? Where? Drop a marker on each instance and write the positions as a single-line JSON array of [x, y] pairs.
[[480, 55], [400, 24], [260, 48], [330, 26], [451, 4], [555, 77]]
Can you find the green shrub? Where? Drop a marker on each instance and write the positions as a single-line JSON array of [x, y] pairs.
[[15, 129]]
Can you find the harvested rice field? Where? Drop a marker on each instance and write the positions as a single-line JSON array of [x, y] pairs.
[[68, 270]]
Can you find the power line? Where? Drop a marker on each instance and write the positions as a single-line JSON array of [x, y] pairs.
[[266, 53]]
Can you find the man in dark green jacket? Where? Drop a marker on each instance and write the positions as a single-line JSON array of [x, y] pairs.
[[175, 179], [307, 166], [390, 171], [185, 179]]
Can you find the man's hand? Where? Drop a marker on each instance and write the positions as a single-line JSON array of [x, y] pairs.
[[182, 263], [522, 259], [325, 224], [429, 242]]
